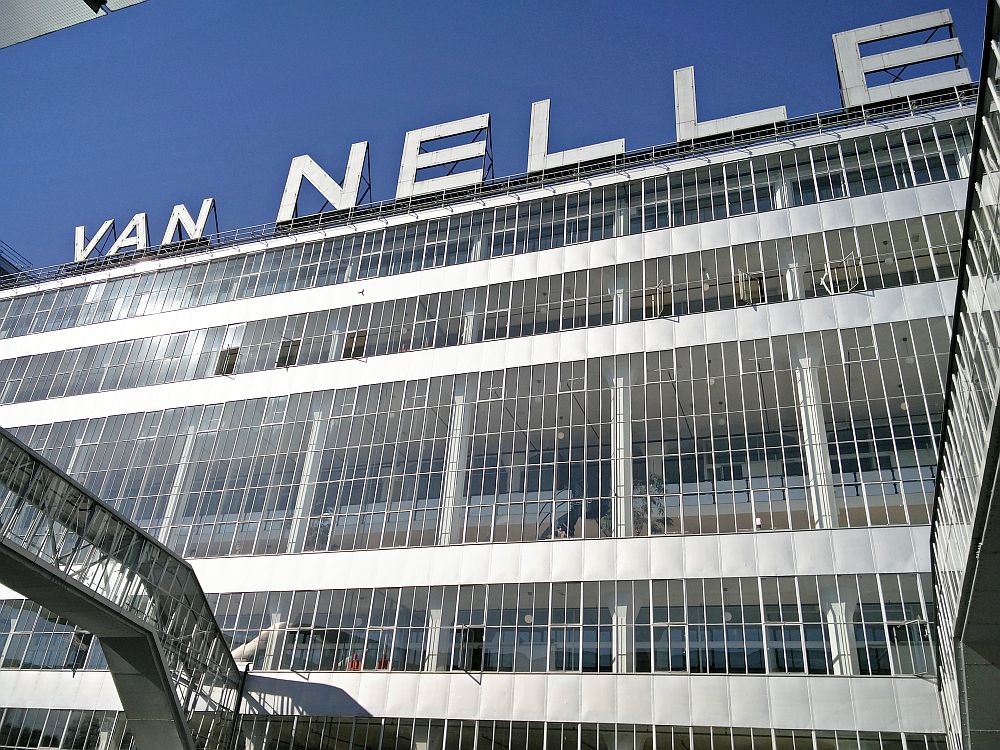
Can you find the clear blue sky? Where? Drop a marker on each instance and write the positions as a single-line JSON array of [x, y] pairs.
[[176, 100]]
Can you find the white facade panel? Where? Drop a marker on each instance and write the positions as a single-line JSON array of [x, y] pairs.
[[774, 553]]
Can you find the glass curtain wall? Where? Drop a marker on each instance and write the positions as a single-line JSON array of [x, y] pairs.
[[718, 440], [105, 730], [728, 626], [852, 167], [864, 258]]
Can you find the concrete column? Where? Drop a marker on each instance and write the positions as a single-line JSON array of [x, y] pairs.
[[620, 296], [104, 739], [456, 460], [621, 634], [471, 322], [838, 618], [476, 251], [621, 446], [621, 215], [428, 738], [337, 340], [352, 266], [71, 466], [437, 650], [275, 642], [793, 274], [815, 447], [782, 195], [433, 657], [178, 487], [964, 157], [253, 741], [318, 427]]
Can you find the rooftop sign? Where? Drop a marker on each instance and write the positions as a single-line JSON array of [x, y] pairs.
[[431, 162]]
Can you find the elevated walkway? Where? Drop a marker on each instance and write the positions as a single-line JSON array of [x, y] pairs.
[[63, 548]]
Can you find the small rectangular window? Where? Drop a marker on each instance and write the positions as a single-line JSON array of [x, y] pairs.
[[226, 364], [354, 344], [288, 354]]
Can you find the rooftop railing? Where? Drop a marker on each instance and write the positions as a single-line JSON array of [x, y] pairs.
[[823, 122], [11, 261]]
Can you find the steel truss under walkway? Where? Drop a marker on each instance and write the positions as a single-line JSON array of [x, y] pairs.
[[66, 550]]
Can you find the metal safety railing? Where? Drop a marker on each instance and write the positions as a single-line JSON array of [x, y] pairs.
[[53, 527], [823, 122], [12, 260]]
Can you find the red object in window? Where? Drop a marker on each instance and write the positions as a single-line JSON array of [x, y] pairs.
[[383, 662], [354, 665]]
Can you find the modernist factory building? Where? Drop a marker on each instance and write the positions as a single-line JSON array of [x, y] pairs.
[[636, 451]]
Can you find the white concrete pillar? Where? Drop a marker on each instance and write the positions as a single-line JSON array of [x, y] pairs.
[[274, 642], [71, 466], [352, 267], [456, 459], [476, 251], [621, 446], [178, 488], [621, 418], [625, 740], [432, 657], [964, 157], [838, 617], [620, 296], [782, 196], [437, 648], [318, 427], [621, 215], [471, 322], [793, 274], [621, 634], [815, 447], [254, 740], [337, 341], [428, 738]]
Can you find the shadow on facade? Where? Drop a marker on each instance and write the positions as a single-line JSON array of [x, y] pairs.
[[290, 697]]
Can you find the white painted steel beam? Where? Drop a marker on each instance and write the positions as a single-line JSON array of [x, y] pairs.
[[853, 67], [540, 159], [686, 112], [416, 158]]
